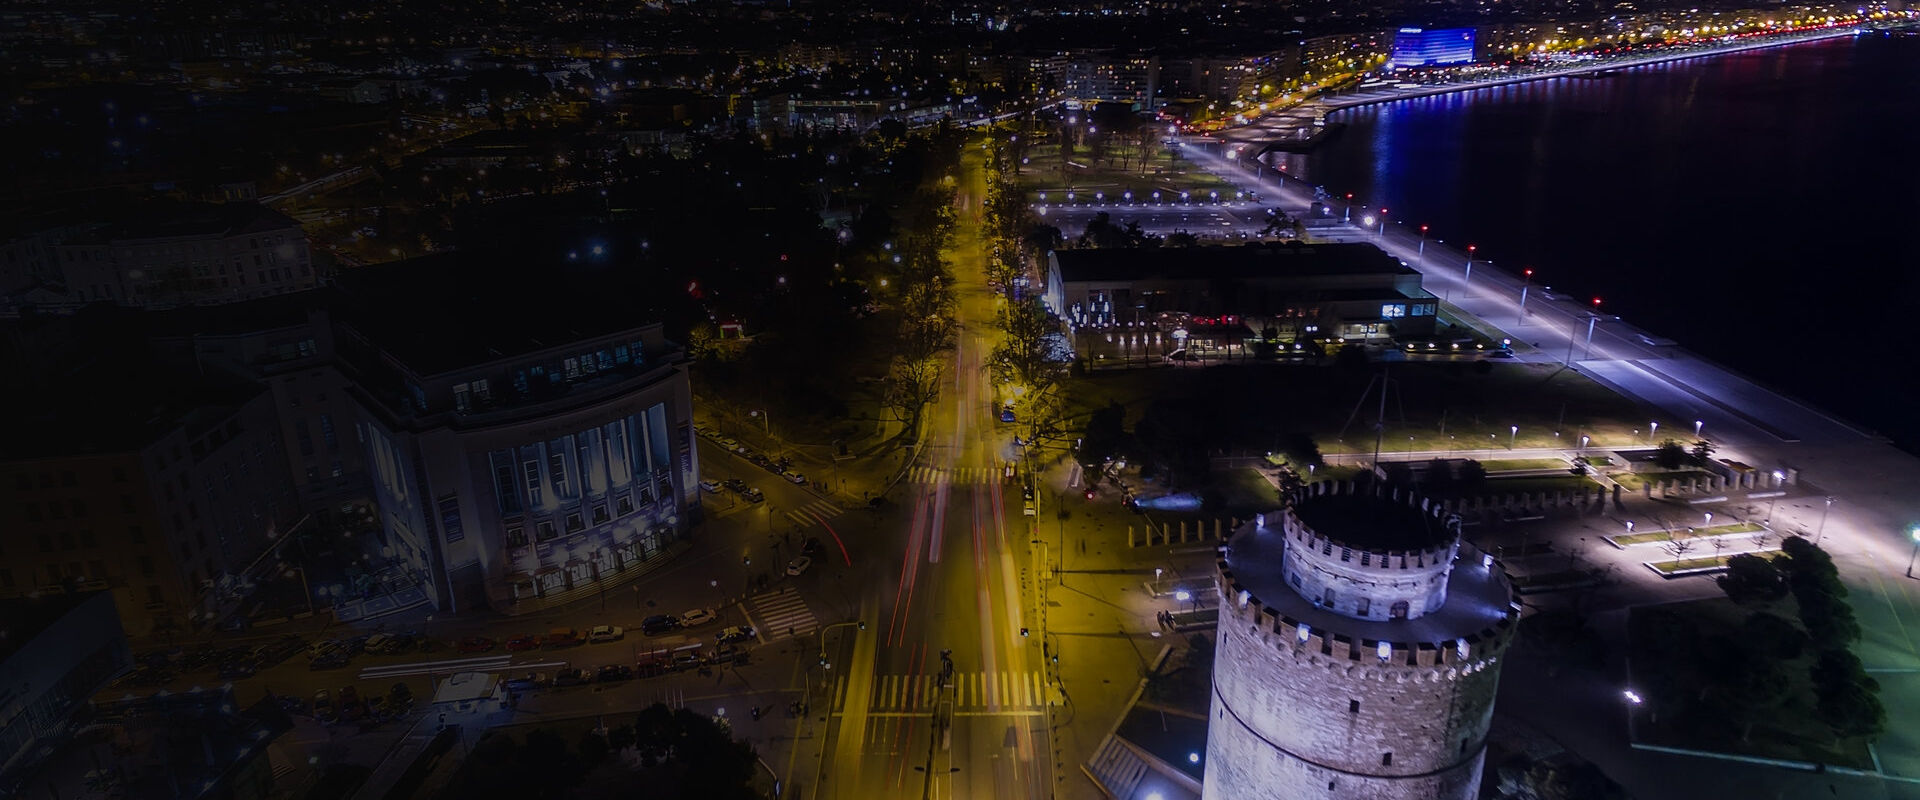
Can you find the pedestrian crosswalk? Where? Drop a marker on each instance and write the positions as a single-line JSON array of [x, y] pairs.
[[780, 614], [1002, 690], [960, 475], [811, 513]]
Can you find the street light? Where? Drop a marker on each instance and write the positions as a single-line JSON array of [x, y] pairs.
[[1467, 280], [1652, 431], [1914, 533], [1421, 256], [1525, 285], [1513, 435], [1697, 425], [1823, 521], [1383, 223]]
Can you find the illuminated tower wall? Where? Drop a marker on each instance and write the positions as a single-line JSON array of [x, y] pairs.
[[1359, 651]]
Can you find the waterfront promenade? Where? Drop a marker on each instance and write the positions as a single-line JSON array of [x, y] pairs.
[[1298, 123], [1865, 528]]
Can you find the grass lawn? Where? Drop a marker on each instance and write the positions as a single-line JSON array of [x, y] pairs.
[[1671, 646], [1537, 483], [1633, 481], [1246, 491], [1442, 405], [1518, 464], [1697, 533]]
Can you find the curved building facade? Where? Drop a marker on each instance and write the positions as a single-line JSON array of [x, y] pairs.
[[1359, 651]]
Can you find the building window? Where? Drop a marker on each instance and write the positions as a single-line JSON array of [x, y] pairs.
[[1386, 759], [136, 535], [1326, 599], [543, 531], [1346, 554], [326, 432], [623, 505], [574, 524], [1353, 706], [1398, 610], [146, 565], [516, 536], [1393, 310], [1363, 605], [530, 470], [462, 398]]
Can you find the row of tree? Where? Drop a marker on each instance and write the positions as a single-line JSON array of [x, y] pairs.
[[662, 753], [1847, 699]]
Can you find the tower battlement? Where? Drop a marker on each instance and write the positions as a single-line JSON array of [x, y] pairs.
[[1359, 651]]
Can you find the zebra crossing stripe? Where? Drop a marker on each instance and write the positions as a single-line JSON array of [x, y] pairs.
[[782, 610]]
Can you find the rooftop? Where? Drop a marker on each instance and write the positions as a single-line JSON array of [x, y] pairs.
[[27, 617], [1364, 522], [1478, 597], [101, 390], [444, 312], [1257, 260]]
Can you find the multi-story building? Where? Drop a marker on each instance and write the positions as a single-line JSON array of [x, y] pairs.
[[176, 255], [60, 649], [523, 450], [1350, 290], [160, 485]]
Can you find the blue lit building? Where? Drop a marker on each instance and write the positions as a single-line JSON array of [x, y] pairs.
[[1416, 47]]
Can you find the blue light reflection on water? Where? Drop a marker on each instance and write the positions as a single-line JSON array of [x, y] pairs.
[[1759, 207]]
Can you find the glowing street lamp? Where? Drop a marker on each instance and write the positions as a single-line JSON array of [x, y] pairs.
[[1383, 223], [1914, 533], [1697, 425], [1513, 435], [1421, 255], [1653, 430]]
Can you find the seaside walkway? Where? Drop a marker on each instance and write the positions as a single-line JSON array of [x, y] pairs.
[[1865, 527]]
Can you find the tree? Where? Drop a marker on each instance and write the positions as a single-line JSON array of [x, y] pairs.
[[1752, 580], [911, 386], [1105, 436], [1279, 225], [1670, 455], [1100, 232], [1701, 453], [1773, 637], [1026, 357], [1440, 481], [1182, 239], [1847, 698], [1351, 355], [1678, 545]]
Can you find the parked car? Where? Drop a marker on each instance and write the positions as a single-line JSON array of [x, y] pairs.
[[710, 486], [753, 495], [1006, 412], [572, 677], [322, 700], [236, 670], [614, 672], [377, 706], [563, 637], [602, 634], [319, 649], [794, 478], [737, 633], [696, 616], [476, 644], [380, 642], [519, 643], [529, 682], [799, 565], [659, 624], [400, 693], [333, 660], [735, 484]]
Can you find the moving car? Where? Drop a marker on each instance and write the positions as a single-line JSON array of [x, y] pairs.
[[696, 616], [519, 643], [1006, 413], [602, 634], [794, 478], [564, 637], [812, 546], [799, 565], [710, 486], [735, 484], [737, 633], [659, 624], [753, 495]]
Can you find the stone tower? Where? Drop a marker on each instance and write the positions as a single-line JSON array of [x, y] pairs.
[[1358, 654]]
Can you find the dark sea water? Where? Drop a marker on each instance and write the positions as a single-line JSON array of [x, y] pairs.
[[1762, 208]]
